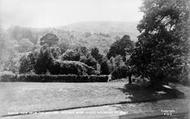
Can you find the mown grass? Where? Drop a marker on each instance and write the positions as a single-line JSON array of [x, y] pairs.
[[20, 97]]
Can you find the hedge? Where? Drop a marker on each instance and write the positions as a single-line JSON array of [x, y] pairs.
[[52, 78], [7, 77]]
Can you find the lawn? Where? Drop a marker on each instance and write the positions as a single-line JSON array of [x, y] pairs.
[[23, 97], [27, 97]]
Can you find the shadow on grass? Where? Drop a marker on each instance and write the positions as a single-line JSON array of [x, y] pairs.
[[137, 93]]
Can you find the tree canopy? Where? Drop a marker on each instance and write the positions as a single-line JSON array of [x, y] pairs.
[[50, 39], [162, 47], [96, 54], [121, 47], [71, 55]]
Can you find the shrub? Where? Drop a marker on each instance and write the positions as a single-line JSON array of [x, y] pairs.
[[11, 63], [89, 60], [121, 47], [49, 39], [42, 61], [95, 53], [43, 58], [70, 67], [10, 77], [71, 55], [7, 76], [55, 52], [120, 72], [104, 68], [27, 63]]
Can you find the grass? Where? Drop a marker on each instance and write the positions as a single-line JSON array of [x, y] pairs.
[[27, 97], [22, 97]]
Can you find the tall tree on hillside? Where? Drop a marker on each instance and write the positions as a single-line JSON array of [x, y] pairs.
[[162, 47], [121, 47]]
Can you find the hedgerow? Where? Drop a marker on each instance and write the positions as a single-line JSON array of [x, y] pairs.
[[52, 78]]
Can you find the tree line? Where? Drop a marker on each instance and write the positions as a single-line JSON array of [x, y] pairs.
[[160, 55], [51, 58]]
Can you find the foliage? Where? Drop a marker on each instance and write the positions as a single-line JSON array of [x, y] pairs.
[[7, 76], [26, 63], [11, 64], [35, 61], [10, 77], [162, 46], [95, 53], [70, 67], [25, 45], [18, 33], [42, 61], [55, 52], [104, 67], [70, 55], [120, 72], [89, 60], [121, 47], [43, 58], [118, 60], [63, 47], [8, 55], [118, 68], [49, 39], [82, 50]]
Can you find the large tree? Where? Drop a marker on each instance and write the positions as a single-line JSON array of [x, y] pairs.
[[162, 47], [96, 54], [121, 47]]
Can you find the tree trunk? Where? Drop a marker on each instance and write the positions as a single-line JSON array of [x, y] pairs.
[[130, 80]]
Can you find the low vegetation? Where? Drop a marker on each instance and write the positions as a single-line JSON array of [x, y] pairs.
[[11, 77]]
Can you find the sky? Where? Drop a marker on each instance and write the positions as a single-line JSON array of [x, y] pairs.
[[51, 13]]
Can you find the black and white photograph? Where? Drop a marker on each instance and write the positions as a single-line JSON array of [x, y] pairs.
[[95, 59]]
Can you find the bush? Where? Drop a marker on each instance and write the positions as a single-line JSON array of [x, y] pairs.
[[52, 78], [43, 59], [71, 55], [120, 72], [89, 60], [121, 47], [7, 76], [70, 67], [95, 53], [36, 61], [49, 39], [11, 64], [104, 68], [26, 63]]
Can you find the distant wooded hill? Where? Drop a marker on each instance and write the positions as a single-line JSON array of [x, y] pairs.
[[106, 27], [89, 34]]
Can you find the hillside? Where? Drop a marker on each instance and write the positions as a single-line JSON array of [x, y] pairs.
[[89, 34], [105, 27]]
